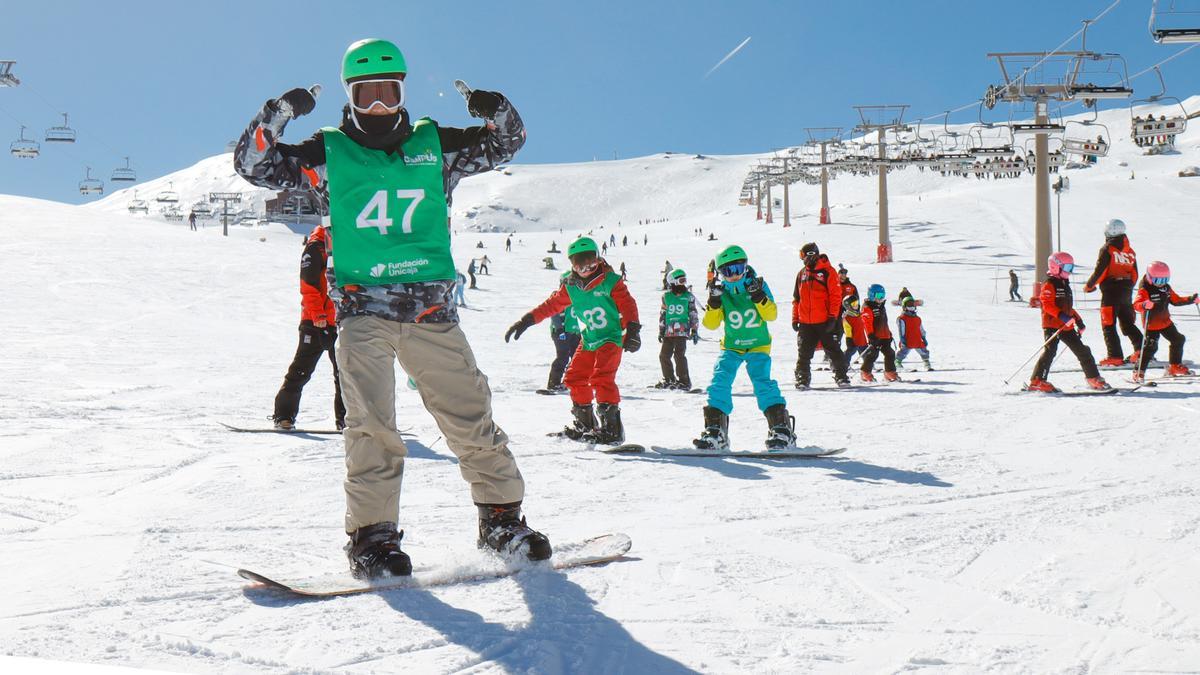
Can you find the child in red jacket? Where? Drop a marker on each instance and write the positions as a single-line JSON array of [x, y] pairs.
[[1061, 323], [879, 335], [1154, 298], [852, 324], [911, 334]]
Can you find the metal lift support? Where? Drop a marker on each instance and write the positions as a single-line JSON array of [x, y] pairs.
[[882, 118]]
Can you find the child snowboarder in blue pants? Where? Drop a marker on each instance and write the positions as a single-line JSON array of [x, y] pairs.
[[743, 302]]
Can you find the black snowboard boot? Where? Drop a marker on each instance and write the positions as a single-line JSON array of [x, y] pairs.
[[585, 422], [611, 432], [503, 529], [716, 430], [781, 425], [374, 552]]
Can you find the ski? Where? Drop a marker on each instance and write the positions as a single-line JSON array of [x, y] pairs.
[[1079, 392], [595, 551], [803, 452]]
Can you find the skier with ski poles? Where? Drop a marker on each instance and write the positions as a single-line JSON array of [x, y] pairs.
[[879, 336], [395, 289], [743, 302], [678, 322], [1062, 323], [608, 319], [1154, 298], [318, 335], [1115, 274]]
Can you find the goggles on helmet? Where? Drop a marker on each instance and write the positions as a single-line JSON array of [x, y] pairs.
[[1067, 268], [585, 263], [1159, 281], [388, 92], [733, 269]]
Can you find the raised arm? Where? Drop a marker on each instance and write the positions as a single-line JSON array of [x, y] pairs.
[[264, 161], [473, 150]]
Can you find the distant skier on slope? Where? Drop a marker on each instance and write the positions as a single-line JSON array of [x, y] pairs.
[[395, 286], [743, 302], [1062, 323], [678, 322], [879, 336], [1154, 298], [1116, 273], [318, 334], [608, 319]]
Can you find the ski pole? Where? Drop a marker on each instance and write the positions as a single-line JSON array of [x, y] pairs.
[[1141, 364], [1035, 353]]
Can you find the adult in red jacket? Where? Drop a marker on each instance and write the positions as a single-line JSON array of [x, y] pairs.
[[1155, 297], [1116, 273], [1061, 323], [816, 311], [318, 333]]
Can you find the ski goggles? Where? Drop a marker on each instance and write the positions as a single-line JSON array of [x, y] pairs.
[[1067, 268], [585, 265], [733, 269], [1159, 281], [387, 92]]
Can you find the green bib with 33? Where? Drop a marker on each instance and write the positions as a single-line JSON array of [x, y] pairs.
[[388, 214], [597, 313]]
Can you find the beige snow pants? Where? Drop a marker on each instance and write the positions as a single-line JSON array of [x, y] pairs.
[[439, 360]]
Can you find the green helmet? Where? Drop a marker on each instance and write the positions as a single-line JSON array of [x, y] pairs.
[[582, 245], [733, 253], [677, 274], [372, 57]]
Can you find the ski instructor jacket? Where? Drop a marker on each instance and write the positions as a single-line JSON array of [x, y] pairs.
[[315, 305], [817, 296], [1116, 272], [264, 161]]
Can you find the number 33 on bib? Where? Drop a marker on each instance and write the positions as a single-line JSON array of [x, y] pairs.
[[388, 213]]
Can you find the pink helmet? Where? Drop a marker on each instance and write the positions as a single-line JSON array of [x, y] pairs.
[[1060, 265], [1158, 273]]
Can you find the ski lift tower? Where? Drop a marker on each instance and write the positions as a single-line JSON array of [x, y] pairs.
[[226, 198], [1039, 78], [824, 137], [784, 176], [882, 119], [7, 79]]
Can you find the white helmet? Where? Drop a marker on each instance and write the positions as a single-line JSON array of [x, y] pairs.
[[1114, 228]]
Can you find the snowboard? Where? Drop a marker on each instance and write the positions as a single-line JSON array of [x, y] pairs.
[[595, 551], [297, 430], [695, 390], [804, 452], [622, 449], [548, 392]]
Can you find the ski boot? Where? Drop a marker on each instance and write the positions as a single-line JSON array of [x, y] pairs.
[[716, 431], [680, 385], [610, 431], [1135, 357], [665, 384], [802, 384], [584, 423], [900, 365], [559, 388], [1178, 370], [1038, 384], [374, 552], [502, 528], [928, 366], [1098, 384], [891, 376], [866, 376], [780, 427], [1139, 377], [1111, 362], [842, 382], [284, 424]]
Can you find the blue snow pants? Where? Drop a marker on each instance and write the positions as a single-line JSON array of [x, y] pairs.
[[758, 367]]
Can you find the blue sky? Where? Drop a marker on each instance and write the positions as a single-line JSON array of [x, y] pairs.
[[169, 83]]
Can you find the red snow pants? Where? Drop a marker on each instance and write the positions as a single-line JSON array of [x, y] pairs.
[[594, 373]]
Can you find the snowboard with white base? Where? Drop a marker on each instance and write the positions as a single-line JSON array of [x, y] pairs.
[[595, 551]]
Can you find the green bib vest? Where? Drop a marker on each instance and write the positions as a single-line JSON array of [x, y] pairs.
[[387, 213], [744, 326], [677, 309], [596, 312]]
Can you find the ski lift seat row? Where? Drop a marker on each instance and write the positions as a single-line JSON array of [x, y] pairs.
[[1094, 92], [1019, 128], [90, 186], [1172, 126], [61, 134], [25, 148], [1083, 146], [124, 174]]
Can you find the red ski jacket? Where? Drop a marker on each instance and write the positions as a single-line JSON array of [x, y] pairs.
[[912, 335], [856, 330], [315, 304], [1114, 267], [561, 299], [817, 296], [874, 316], [1057, 302], [1162, 297]]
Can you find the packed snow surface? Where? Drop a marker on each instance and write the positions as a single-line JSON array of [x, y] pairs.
[[967, 528]]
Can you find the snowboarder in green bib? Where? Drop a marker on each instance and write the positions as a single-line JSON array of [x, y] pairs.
[[743, 302], [678, 322], [384, 184], [608, 322]]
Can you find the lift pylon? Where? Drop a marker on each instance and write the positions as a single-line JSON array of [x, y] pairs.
[[881, 119], [824, 137]]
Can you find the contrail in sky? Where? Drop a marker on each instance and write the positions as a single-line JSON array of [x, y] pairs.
[[727, 57]]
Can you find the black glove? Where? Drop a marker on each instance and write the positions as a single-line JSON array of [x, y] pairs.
[[695, 338], [515, 330], [484, 104], [796, 326], [300, 100], [830, 327], [633, 339], [754, 286], [714, 296]]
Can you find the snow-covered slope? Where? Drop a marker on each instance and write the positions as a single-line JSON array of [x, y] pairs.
[[968, 527]]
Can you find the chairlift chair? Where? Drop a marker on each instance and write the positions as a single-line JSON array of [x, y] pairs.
[[61, 134], [1081, 142], [25, 148], [168, 196], [1094, 76], [7, 79], [1169, 126], [995, 146], [1178, 23], [123, 174], [138, 205], [89, 185], [172, 212]]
